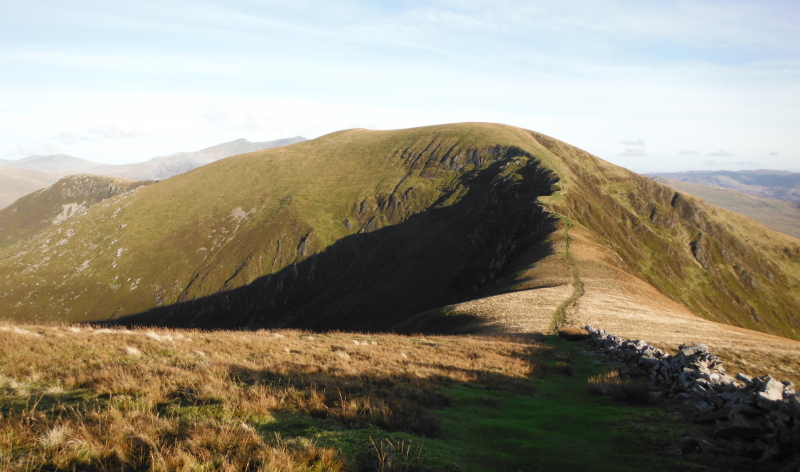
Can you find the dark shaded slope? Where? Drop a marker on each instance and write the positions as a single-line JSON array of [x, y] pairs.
[[69, 196], [465, 240]]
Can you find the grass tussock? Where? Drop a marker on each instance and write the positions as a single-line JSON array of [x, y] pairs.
[[573, 333], [396, 456], [162, 400], [620, 389]]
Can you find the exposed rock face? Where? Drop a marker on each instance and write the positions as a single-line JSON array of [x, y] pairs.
[[56, 204], [756, 417]]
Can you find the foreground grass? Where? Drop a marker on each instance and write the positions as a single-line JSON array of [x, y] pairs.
[[78, 398]]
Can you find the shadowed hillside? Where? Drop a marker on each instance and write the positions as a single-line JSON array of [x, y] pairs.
[[366, 229]]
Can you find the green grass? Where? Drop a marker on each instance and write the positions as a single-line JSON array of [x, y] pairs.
[[558, 425]]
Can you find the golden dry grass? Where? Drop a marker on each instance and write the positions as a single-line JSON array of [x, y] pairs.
[[627, 306], [619, 388], [83, 398], [574, 333]]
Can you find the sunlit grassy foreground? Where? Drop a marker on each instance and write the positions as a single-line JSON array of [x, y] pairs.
[[82, 398]]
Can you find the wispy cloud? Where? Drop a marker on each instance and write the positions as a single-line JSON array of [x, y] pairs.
[[580, 72], [633, 152], [632, 142], [719, 153], [240, 120], [113, 132]]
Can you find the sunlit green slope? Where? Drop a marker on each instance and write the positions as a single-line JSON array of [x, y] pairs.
[[55, 204], [780, 215]]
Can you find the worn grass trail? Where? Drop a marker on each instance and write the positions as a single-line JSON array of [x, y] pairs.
[[578, 288], [144, 400], [561, 426]]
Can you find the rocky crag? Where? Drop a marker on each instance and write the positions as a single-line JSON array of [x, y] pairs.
[[754, 417]]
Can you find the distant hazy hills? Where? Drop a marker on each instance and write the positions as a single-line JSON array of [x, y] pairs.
[[23, 176], [441, 228], [775, 184], [59, 165], [15, 183]]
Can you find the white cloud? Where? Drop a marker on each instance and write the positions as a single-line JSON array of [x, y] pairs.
[[688, 152]]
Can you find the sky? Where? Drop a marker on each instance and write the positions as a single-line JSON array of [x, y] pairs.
[[652, 85]]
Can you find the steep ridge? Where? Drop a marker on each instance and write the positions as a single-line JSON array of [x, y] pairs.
[[447, 228], [780, 215], [720, 265], [66, 198]]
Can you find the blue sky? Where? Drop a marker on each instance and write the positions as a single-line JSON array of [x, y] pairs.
[[650, 85]]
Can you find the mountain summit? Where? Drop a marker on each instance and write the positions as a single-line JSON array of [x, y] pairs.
[[449, 228]]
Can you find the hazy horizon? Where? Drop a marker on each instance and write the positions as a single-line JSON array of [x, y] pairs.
[[665, 87]]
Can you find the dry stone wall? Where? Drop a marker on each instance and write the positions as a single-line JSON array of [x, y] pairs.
[[756, 417]]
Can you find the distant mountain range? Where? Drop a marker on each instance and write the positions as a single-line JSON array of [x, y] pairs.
[[764, 183], [23, 176]]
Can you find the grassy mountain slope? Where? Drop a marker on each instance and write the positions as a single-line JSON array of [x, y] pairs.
[[223, 226], [779, 215], [66, 198], [722, 266], [365, 229], [15, 183]]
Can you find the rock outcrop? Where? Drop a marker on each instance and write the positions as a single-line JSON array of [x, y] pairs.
[[756, 417]]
